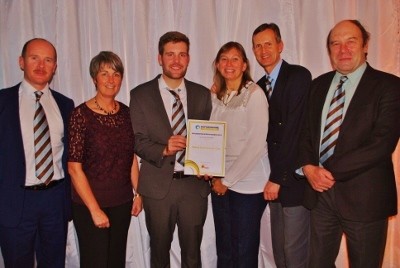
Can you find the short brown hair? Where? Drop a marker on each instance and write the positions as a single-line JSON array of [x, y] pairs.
[[107, 58], [174, 37], [272, 26]]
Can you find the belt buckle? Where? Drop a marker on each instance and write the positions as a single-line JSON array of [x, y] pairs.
[[178, 175], [41, 186]]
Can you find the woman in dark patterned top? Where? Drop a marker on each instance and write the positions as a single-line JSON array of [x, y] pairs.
[[103, 168]]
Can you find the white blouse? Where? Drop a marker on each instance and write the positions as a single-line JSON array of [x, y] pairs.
[[247, 165]]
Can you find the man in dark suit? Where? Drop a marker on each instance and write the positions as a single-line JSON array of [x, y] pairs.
[[286, 91], [347, 159], [169, 196], [34, 211]]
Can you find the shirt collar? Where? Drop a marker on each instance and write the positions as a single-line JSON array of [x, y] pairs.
[[274, 74], [180, 90], [354, 77], [30, 90]]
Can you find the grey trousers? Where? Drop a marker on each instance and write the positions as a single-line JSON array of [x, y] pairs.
[[290, 231]]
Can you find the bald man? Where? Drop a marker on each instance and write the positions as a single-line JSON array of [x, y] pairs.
[[350, 132]]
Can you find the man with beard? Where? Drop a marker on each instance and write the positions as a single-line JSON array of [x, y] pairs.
[[159, 110]]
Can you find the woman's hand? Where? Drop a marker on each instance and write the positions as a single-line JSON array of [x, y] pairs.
[[137, 205], [100, 219], [218, 187]]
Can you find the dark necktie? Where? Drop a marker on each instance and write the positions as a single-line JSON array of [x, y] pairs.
[[268, 87], [178, 123], [43, 154], [333, 122]]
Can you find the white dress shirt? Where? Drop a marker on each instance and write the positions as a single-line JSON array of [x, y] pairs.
[[27, 102], [168, 100]]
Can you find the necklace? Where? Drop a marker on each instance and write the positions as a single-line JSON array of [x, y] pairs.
[[101, 109]]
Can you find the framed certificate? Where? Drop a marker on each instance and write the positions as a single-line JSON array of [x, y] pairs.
[[205, 148]]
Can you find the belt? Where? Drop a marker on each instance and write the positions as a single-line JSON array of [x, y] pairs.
[[42, 186], [180, 175]]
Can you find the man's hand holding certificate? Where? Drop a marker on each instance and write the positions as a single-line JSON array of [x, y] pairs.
[[205, 149]]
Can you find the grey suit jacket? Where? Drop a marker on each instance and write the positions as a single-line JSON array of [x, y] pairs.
[[152, 130]]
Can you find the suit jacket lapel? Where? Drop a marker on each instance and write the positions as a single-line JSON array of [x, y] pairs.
[[190, 100], [280, 82], [281, 79], [63, 110], [261, 84], [155, 95], [360, 98], [317, 104], [16, 123]]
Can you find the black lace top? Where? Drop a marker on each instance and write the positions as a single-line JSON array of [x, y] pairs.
[[104, 146]]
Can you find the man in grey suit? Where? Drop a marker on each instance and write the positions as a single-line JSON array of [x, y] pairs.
[[169, 197], [350, 132]]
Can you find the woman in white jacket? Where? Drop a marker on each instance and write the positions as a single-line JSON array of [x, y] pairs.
[[237, 199]]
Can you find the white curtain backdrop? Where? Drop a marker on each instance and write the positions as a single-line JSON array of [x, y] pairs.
[[80, 29]]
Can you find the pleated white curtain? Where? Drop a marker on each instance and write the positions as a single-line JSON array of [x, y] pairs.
[[131, 28]]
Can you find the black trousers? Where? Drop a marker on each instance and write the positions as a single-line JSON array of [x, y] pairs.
[[102, 247]]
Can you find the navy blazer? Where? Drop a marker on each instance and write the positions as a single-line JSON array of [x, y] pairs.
[[152, 130], [365, 188], [286, 112], [12, 156]]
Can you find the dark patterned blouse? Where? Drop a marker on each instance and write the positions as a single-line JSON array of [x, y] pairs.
[[104, 146]]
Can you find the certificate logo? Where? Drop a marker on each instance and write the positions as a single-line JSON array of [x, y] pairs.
[[208, 128]]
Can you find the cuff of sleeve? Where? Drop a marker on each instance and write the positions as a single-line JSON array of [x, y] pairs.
[[226, 183], [299, 171]]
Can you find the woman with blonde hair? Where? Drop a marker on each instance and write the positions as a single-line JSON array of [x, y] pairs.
[[237, 199]]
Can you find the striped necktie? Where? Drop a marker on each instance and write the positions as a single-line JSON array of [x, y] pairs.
[[178, 123], [268, 87], [333, 122], [43, 154]]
